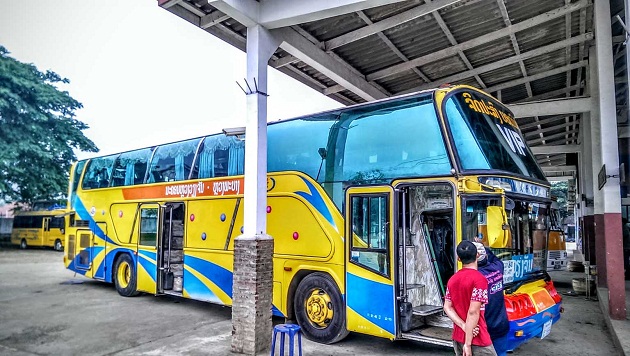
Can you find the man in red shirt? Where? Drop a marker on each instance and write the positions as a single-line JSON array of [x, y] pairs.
[[466, 295]]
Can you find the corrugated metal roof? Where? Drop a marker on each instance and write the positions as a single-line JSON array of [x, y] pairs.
[[473, 47]]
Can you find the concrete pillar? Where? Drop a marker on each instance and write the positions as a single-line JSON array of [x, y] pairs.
[[253, 251], [610, 216], [586, 179], [598, 243]]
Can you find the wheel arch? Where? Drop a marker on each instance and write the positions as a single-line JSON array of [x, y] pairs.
[[295, 282], [112, 267]]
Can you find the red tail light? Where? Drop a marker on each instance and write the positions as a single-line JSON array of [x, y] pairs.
[[553, 293], [519, 306]]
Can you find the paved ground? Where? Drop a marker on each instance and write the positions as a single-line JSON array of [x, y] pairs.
[[47, 310]]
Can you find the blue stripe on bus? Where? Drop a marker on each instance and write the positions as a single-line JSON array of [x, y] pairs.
[[148, 265], [377, 305], [196, 289], [85, 215], [218, 275], [317, 201]]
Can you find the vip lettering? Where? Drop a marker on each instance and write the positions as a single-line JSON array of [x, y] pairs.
[[184, 190], [513, 139], [230, 186]]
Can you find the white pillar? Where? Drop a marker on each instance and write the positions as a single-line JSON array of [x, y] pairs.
[[252, 287], [610, 207], [260, 47]]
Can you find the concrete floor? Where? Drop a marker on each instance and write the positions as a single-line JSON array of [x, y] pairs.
[[47, 310]]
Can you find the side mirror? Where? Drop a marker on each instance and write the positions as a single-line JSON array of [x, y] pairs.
[[497, 228]]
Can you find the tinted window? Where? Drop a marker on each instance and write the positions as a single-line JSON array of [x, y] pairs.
[[298, 145], [130, 167], [220, 156], [392, 139], [98, 172], [173, 162], [486, 136]]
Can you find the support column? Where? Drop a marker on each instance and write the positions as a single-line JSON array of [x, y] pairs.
[[610, 217], [598, 245], [586, 179], [253, 251]]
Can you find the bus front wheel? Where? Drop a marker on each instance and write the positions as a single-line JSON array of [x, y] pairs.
[[125, 276], [58, 245], [319, 309], [23, 244]]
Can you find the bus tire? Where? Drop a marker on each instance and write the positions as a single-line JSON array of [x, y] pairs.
[[23, 244], [319, 309], [125, 277], [58, 245]]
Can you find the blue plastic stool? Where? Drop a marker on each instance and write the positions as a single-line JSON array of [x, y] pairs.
[[286, 329]]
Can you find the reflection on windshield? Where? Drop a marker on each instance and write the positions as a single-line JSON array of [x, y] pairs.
[[528, 224], [487, 137]]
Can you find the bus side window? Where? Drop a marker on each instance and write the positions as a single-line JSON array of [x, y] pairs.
[[370, 233]]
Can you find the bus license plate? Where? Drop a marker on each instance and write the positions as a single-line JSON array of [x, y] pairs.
[[546, 329]]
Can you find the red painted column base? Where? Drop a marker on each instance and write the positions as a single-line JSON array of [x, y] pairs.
[[614, 266]]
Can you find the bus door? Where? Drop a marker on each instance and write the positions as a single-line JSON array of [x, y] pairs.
[[46, 232], [171, 250], [146, 267], [370, 287]]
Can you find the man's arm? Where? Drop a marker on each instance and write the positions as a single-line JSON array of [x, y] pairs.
[[452, 314], [474, 311]]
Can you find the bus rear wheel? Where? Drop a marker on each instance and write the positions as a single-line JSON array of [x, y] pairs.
[[125, 276], [319, 309], [58, 245], [23, 244]]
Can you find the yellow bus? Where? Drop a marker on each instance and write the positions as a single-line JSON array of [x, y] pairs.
[[365, 204], [39, 228]]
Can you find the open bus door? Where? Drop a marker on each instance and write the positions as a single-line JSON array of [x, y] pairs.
[[149, 236], [370, 287]]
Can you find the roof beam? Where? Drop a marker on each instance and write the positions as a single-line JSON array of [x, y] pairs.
[[559, 178], [504, 62], [541, 122], [478, 41], [389, 22], [212, 19], [546, 129], [551, 107], [559, 169], [538, 76], [550, 137], [557, 149], [392, 46], [550, 94], [273, 14], [453, 42], [300, 47]]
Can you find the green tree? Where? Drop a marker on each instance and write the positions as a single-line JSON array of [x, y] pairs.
[[38, 133], [559, 192]]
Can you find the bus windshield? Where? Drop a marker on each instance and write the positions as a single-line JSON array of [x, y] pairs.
[[486, 136]]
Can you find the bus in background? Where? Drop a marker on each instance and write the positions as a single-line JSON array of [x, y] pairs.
[[366, 205], [557, 243], [43, 226]]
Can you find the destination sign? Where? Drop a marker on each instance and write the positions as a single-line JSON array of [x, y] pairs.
[[516, 186]]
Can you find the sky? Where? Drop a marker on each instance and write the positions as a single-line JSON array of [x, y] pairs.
[[144, 76]]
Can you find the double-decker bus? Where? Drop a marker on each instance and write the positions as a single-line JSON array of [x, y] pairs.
[[43, 226], [366, 205]]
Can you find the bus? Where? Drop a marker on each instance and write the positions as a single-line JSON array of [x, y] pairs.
[[557, 240], [366, 205], [44, 226]]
